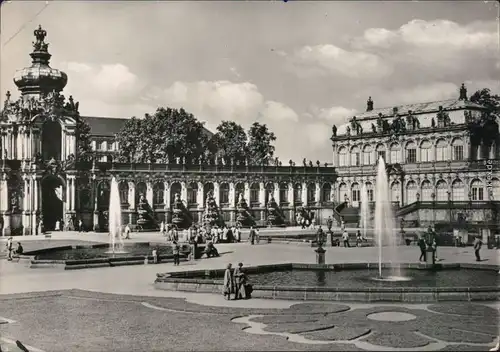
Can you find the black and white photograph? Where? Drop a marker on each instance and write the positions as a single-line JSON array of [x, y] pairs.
[[287, 175]]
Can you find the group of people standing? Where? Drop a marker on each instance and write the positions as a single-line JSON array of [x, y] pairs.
[[18, 251], [236, 283], [215, 234]]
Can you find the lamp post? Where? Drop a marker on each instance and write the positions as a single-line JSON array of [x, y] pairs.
[[433, 197]]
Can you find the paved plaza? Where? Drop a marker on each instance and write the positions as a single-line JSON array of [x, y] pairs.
[[117, 308]]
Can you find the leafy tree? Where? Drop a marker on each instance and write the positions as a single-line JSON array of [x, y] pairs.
[[260, 149], [484, 130], [84, 147], [166, 135], [230, 141]]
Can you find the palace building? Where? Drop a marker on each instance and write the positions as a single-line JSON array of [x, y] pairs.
[[42, 177], [441, 170]]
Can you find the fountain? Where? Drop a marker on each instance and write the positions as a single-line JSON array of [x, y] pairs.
[[365, 210], [115, 219], [385, 227]]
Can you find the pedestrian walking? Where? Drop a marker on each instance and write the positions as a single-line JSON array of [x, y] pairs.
[[176, 250], [423, 249], [477, 247], [9, 248], [228, 282], [345, 238]]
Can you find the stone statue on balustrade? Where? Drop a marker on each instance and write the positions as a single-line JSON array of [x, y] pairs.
[[244, 217]]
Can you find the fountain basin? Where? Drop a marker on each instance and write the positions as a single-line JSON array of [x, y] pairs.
[[98, 255], [350, 282]]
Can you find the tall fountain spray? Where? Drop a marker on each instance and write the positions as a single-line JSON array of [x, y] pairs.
[[365, 209], [385, 225], [115, 218]]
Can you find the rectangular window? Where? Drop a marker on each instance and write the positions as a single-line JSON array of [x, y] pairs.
[[254, 196], [370, 195], [458, 152], [283, 196], [224, 196], [342, 159], [440, 153], [356, 159], [326, 195], [355, 195], [425, 155], [366, 158], [412, 156], [395, 156], [192, 195]]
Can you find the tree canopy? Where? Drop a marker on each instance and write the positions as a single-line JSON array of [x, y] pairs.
[[485, 129], [163, 136], [260, 148], [170, 133], [231, 141]]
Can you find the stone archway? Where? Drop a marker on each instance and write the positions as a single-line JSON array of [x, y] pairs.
[[53, 190]]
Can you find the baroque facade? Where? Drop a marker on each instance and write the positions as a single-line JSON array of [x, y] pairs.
[[439, 169], [41, 176]]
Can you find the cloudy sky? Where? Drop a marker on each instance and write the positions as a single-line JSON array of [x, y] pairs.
[[297, 66]]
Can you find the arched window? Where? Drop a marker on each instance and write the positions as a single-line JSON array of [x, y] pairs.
[[311, 193], [208, 188], [283, 193], [441, 191], [326, 192], [411, 152], [158, 193], [124, 193], [175, 188], [495, 189], [355, 194], [426, 151], [395, 153], [240, 189], [477, 190], [395, 191], [411, 192], [355, 156], [192, 194], [343, 192], [381, 152], [493, 150], [457, 151], [367, 155], [140, 189], [342, 156], [269, 192], [297, 193], [427, 191], [441, 147], [457, 191], [369, 190], [254, 194], [224, 193]]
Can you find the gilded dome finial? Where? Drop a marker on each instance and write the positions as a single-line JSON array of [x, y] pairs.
[[40, 35]]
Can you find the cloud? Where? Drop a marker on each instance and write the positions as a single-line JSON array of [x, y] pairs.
[[214, 101], [433, 34], [334, 115], [277, 111], [111, 83], [328, 59]]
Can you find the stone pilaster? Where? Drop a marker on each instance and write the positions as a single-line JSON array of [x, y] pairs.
[[149, 193], [291, 199], [200, 196], [232, 195], [277, 193], [247, 192], [304, 194], [166, 194], [131, 195], [262, 194], [184, 191], [217, 193], [317, 193]]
